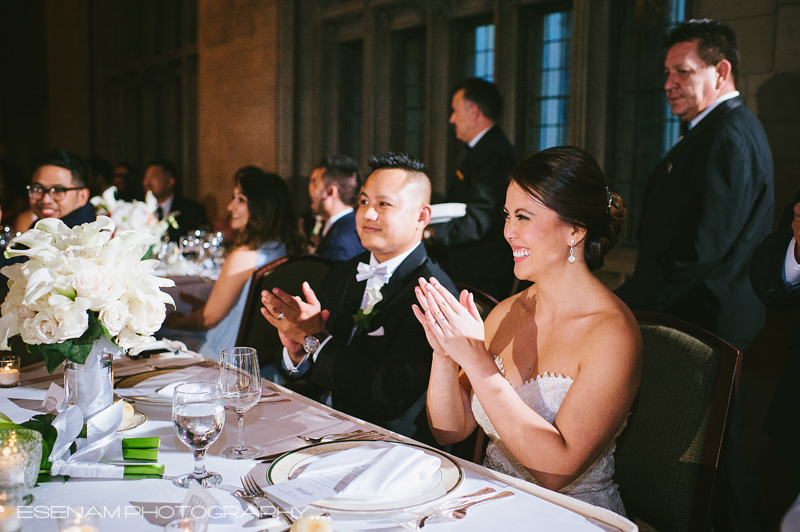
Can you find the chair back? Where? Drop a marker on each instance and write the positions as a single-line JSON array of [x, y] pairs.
[[288, 275], [667, 456]]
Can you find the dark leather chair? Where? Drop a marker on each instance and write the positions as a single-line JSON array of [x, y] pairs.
[[667, 456], [288, 275]]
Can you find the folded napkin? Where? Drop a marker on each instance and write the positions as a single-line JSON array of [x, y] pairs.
[[97, 470], [381, 471]]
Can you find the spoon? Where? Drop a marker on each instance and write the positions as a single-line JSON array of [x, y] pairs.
[[461, 512]]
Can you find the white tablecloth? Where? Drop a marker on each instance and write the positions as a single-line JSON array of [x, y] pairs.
[[274, 428]]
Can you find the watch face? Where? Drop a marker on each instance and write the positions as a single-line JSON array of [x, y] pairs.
[[311, 344]]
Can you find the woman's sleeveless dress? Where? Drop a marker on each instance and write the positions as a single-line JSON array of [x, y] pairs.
[[544, 395], [210, 343]]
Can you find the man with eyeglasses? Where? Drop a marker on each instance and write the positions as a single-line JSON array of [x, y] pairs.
[[58, 188]]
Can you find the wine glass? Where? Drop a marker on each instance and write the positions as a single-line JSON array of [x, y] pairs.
[[240, 382], [198, 416]]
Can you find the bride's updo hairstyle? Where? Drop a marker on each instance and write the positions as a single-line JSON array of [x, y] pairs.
[[569, 181]]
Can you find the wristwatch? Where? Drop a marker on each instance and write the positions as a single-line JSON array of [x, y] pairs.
[[313, 341]]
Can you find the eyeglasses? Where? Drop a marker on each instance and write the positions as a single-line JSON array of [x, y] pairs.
[[56, 193]]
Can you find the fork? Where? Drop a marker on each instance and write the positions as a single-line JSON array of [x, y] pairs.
[[252, 489], [320, 438]]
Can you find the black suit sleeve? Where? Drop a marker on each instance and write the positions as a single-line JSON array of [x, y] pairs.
[[766, 266]]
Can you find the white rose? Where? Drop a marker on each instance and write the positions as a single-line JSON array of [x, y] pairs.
[[13, 299], [73, 320], [147, 319], [41, 329], [114, 317], [128, 339], [101, 285]]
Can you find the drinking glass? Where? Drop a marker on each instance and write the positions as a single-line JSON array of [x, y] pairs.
[[198, 416], [240, 381], [20, 460]]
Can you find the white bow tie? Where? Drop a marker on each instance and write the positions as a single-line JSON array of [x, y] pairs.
[[379, 273]]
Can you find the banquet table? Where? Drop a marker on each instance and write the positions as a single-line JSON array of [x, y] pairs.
[[273, 426]]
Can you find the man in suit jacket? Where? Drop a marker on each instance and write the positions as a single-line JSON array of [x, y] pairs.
[[708, 204], [160, 178], [333, 189], [478, 254], [360, 340], [775, 274]]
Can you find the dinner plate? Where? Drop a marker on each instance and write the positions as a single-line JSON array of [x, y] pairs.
[[288, 466], [150, 399], [137, 419]]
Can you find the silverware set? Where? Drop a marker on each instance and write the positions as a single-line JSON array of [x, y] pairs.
[[457, 508], [372, 435], [253, 494]]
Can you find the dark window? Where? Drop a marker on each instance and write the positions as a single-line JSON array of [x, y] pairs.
[[548, 81], [408, 86], [350, 94], [642, 128]]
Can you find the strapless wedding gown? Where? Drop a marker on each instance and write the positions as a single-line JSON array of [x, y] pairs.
[[544, 395]]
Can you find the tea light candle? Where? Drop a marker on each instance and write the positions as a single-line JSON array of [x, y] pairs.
[[9, 520], [9, 372]]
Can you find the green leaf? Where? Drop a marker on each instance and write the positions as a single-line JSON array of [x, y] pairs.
[[75, 350]]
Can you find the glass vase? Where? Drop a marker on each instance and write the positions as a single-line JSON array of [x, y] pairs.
[[90, 386]]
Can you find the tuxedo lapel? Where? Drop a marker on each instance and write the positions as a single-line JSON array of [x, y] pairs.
[[400, 276]]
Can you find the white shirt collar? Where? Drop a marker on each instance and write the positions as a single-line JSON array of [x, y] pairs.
[[335, 218], [393, 263], [714, 104], [166, 205], [479, 136]]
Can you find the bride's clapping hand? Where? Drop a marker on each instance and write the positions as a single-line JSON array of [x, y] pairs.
[[453, 326]]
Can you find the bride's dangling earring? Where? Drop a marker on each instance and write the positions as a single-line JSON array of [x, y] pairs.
[[571, 251]]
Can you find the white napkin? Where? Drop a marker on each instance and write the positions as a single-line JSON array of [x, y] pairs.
[[389, 471], [444, 212], [87, 470]]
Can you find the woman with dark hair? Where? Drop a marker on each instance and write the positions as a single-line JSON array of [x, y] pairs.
[[552, 373], [263, 219]]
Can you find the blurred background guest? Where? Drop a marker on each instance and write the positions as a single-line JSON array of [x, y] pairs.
[[264, 222], [100, 175], [333, 188], [161, 178], [128, 182]]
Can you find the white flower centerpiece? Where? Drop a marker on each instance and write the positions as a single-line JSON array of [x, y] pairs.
[[84, 294], [135, 215]]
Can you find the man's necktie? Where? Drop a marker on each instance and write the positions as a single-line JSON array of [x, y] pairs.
[[160, 213]]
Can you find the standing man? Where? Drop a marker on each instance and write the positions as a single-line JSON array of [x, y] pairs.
[[478, 254], [160, 178], [333, 189], [360, 341], [707, 206]]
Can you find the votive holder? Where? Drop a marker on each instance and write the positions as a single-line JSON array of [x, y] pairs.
[[9, 371], [186, 524], [20, 460], [79, 519], [9, 520]]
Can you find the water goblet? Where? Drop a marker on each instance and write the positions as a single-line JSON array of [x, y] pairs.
[[240, 382], [198, 416]]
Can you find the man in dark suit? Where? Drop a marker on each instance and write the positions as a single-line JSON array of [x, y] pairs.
[[333, 189], [708, 204], [775, 274], [478, 254], [360, 341], [160, 178]]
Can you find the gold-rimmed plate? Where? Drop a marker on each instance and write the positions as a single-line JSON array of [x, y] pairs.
[[138, 419], [289, 465]]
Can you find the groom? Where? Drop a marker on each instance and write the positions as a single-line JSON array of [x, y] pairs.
[[364, 350]]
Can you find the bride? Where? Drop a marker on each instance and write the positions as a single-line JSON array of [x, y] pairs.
[[552, 374]]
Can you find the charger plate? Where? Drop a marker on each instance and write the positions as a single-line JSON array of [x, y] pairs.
[[288, 465], [152, 399]]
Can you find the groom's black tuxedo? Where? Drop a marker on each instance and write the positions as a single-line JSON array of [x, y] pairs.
[[383, 371]]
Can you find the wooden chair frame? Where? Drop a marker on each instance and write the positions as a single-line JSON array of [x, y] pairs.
[[719, 414]]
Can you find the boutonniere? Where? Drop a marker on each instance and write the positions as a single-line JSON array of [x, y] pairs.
[[363, 317]]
